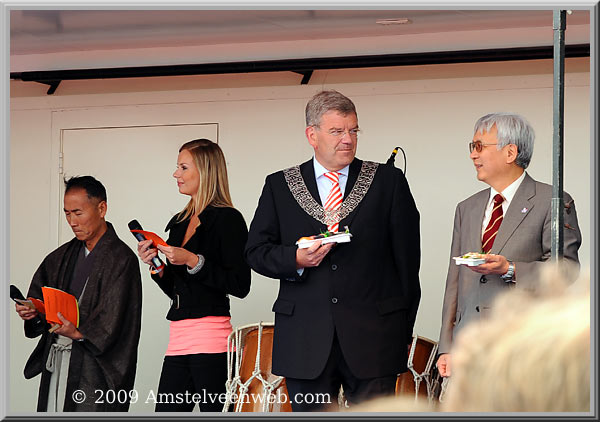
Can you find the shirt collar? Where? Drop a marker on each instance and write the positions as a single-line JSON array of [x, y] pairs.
[[320, 170], [509, 193]]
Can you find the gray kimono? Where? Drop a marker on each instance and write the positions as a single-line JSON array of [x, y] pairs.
[[109, 319]]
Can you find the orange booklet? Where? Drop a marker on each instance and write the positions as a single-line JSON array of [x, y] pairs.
[[56, 300]]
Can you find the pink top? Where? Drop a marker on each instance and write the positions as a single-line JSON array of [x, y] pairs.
[[199, 335]]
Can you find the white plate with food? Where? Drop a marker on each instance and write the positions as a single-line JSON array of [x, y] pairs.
[[472, 259], [306, 242]]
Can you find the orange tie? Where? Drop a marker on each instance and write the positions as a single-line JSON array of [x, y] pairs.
[[334, 199], [492, 228]]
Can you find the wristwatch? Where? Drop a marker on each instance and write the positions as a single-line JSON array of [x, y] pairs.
[[510, 274]]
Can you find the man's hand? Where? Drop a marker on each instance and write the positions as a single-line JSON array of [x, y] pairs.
[[494, 264], [25, 312], [67, 329], [313, 255], [443, 365], [179, 256]]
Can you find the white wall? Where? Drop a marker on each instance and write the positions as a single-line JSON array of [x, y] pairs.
[[428, 110]]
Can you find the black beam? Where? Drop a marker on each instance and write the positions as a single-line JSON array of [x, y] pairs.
[[306, 65], [306, 75], [53, 86]]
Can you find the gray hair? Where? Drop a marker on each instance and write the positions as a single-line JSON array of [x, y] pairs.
[[512, 129], [325, 101]]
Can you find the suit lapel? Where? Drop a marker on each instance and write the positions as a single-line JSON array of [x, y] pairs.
[[520, 206], [353, 172]]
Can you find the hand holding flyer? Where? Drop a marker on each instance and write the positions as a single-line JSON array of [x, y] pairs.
[[156, 239]]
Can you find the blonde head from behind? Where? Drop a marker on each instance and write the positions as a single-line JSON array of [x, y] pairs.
[[531, 355]]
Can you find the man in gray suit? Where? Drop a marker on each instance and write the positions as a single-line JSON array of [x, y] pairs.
[[510, 222]]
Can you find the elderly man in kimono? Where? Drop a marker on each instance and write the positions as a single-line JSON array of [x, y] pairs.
[[91, 367]]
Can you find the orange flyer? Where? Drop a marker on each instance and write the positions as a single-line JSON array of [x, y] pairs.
[[156, 239], [56, 300], [39, 305]]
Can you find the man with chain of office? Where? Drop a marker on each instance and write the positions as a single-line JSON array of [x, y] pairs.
[[348, 297]]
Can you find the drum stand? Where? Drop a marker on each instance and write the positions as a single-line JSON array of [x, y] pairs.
[[239, 386]]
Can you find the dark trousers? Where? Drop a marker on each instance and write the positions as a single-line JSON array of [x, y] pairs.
[[189, 379], [321, 393]]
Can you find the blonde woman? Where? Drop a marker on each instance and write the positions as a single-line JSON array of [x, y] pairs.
[[205, 264]]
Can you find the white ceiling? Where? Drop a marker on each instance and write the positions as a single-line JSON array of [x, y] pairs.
[[54, 39]]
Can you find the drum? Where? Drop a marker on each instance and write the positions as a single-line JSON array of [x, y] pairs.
[[417, 380], [251, 386]]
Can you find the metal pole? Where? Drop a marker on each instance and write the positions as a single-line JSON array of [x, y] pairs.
[[558, 26]]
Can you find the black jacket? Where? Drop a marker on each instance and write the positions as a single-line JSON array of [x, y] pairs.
[[220, 238], [367, 291]]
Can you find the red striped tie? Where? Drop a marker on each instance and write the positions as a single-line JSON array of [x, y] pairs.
[[492, 228], [334, 199]]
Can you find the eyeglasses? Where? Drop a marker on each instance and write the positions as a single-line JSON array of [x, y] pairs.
[[478, 146], [339, 133]]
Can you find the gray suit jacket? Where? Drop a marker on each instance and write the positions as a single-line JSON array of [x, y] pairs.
[[524, 237]]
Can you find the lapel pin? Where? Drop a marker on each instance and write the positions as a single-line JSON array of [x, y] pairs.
[[524, 210], [568, 206]]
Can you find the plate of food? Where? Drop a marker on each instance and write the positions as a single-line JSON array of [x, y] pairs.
[[327, 237], [472, 259]]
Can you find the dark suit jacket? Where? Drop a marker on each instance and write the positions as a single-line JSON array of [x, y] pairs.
[[524, 237], [367, 291]]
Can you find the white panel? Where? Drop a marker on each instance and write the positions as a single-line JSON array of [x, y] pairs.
[[135, 165]]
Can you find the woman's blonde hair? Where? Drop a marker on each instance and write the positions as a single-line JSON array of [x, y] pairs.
[[213, 187]]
